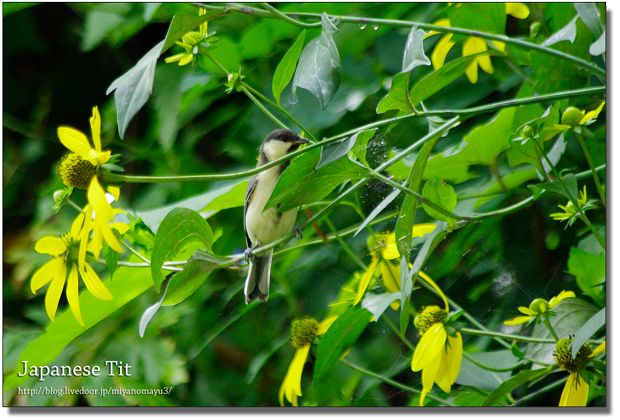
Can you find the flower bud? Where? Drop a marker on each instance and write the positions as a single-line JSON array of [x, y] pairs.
[[528, 132], [539, 305], [572, 116]]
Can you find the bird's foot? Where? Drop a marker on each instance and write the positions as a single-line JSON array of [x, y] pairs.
[[298, 233]]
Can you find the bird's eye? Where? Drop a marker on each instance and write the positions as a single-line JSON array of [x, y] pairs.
[[284, 137]]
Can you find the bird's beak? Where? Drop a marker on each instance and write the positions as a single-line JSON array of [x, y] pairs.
[[301, 140]]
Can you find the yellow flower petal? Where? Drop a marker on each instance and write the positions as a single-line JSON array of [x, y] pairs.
[[96, 198], [442, 48], [76, 226], [434, 285], [94, 284], [422, 229], [175, 58], [46, 273], [291, 386], [88, 226], [484, 61], [527, 311], [186, 60], [365, 280], [73, 294], [500, 45], [559, 298], [115, 191], [518, 10], [592, 114], [600, 349], [454, 357], [430, 345], [50, 245], [441, 22], [95, 127], [74, 140], [429, 374], [518, 320], [390, 250], [575, 393], [52, 297], [390, 273]]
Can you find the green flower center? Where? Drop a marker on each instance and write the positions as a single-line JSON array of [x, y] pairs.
[[303, 331], [539, 305], [76, 172], [430, 315], [528, 132], [564, 358], [572, 116]]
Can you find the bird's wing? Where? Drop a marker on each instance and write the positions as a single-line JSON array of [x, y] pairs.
[[248, 197]]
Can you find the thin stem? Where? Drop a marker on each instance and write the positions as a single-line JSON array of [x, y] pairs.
[[75, 206], [586, 152], [506, 336], [550, 328], [344, 246], [288, 19], [393, 383], [398, 332], [262, 108], [489, 368], [539, 392]]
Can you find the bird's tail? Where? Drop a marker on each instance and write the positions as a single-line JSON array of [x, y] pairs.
[[259, 277]]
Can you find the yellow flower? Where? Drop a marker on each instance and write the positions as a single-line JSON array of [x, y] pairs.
[[190, 42], [438, 354], [472, 45], [572, 118], [538, 307], [63, 251], [571, 213], [303, 332], [78, 143], [382, 261], [575, 392]]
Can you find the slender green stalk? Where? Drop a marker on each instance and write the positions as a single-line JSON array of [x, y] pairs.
[[262, 108], [75, 206], [507, 336], [492, 369], [344, 246], [288, 19], [395, 384], [398, 332], [586, 152], [539, 392], [550, 328], [236, 8]]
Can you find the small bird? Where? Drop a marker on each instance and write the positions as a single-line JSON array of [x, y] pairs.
[[263, 228]]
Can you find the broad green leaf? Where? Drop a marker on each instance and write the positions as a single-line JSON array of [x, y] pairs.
[[300, 183], [589, 14], [208, 204], [414, 50], [183, 23], [398, 96], [589, 270], [406, 220], [318, 70], [361, 144], [148, 315], [512, 384], [483, 17], [261, 358], [473, 375], [134, 88], [97, 25], [567, 33], [111, 258], [10, 8], [334, 151], [598, 46], [378, 209], [377, 304], [441, 194], [476, 149], [524, 151], [571, 315], [588, 330], [194, 274], [341, 336], [61, 332], [180, 228], [285, 70]]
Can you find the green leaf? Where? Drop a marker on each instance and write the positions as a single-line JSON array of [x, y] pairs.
[[567, 33], [588, 330], [361, 144], [183, 23], [208, 203], [180, 228], [475, 376], [438, 79], [318, 70], [414, 50], [398, 96], [512, 384], [598, 46], [483, 17], [441, 194], [148, 315], [334, 151], [589, 14], [524, 151], [261, 358], [10, 8], [378, 209], [571, 315], [194, 274], [61, 332], [97, 25], [111, 258], [300, 183], [134, 88], [406, 220], [285, 70], [341, 336], [589, 270], [377, 304]]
